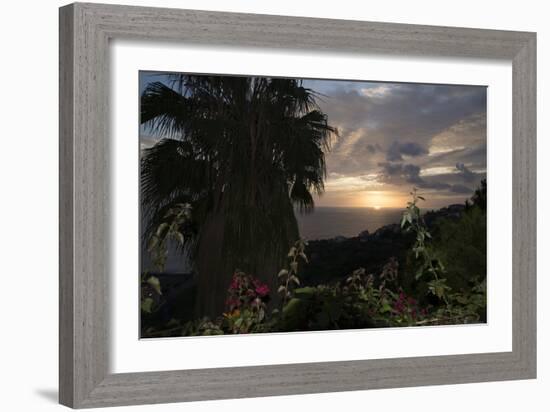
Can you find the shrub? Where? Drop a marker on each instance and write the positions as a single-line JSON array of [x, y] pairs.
[[462, 244], [245, 304], [446, 275]]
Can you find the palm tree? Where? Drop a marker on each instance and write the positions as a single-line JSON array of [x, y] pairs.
[[242, 152]]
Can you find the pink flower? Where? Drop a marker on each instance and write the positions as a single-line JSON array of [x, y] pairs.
[[262, 290], [398, 307], [232, 303], [234, 284]]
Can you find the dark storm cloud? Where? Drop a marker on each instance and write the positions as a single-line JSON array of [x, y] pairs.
[[409, 174], [397, 150], [399, 172], [373, 148]]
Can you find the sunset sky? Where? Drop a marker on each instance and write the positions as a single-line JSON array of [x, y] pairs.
[[396, 136]]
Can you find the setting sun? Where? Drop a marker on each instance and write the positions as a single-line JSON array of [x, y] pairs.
[[379, 199]]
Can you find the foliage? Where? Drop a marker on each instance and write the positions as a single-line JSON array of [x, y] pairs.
[[361, 300], [173, 226], [428, 263], [467, 305], [289, 277], [479, 198], [246, 304], [462, 245], [200, 327], [150, 293]]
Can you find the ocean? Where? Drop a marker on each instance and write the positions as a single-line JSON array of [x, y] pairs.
[[323, 223], [330, 222]]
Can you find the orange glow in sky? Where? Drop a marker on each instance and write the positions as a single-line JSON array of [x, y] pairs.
[[377, 199], [381, 199]]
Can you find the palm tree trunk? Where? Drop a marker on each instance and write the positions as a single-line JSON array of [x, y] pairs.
[[215, 273]]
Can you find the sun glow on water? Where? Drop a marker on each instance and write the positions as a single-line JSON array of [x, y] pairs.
[[377, 199]]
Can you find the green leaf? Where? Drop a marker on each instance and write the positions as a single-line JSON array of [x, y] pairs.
[[261, 314], [385, 308], [438, 287], [282, 273], [308, 290], [152, 243], [154, 282], [463, 300], [161, 228], [292, 305], [147, 305], [179, 237]]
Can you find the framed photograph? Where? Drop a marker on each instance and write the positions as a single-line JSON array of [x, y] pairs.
[[257, 205]]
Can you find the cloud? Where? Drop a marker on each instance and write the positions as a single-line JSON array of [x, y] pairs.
[[397, 150], [434, 120], [377, 91], [408, 135], [373, 148], [418, 110], [399, 174], [437, 170], [400, 135], [460, 189], [466, 173], [467, 132]]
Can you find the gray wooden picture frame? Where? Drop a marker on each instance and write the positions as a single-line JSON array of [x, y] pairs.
[[85, 31]]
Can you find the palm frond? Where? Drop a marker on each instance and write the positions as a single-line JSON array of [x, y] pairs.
[[163, 110], [248, 148]]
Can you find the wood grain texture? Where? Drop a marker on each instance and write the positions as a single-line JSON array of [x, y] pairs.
[[524, 225], [66, 229], [85, 31]]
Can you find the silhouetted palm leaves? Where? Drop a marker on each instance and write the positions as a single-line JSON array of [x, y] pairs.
[[243, 151]]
